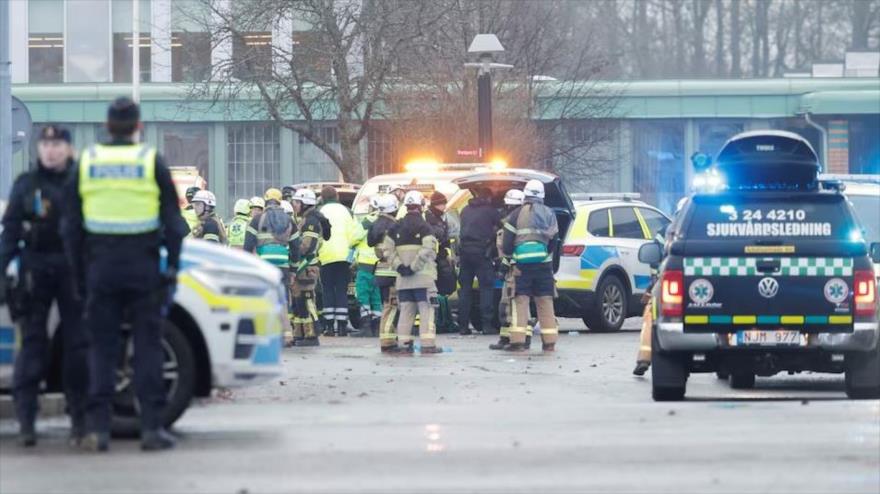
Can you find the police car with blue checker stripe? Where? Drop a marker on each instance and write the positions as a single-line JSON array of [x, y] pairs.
[[224, 330], [766, 270]]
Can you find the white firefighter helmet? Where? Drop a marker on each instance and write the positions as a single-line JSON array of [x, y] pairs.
[[257, 202], [534, 188], [286, 207], [413, 198], [514, 197], [206, 197], [387, 203], [305, 196]]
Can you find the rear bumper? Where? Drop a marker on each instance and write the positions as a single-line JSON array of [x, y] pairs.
[[672, 337]]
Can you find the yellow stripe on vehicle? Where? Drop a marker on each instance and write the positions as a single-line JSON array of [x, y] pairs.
[[257, 307], [645, 230], [791, 319], [610, 223], [745, 319], [696, 319], [840, 319]]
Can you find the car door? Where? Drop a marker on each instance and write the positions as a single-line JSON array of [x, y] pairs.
[[627, 235], [653, 223]]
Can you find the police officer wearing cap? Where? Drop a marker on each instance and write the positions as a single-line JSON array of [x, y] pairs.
[[122, 208], [31, 232]]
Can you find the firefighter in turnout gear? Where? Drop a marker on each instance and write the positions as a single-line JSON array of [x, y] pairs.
[[415, 250], [192, 219], [209, 227], [273, 236], [31, 233], [237, 228], [506, 307], [530, 231], [367, 292], [305, 273], [385, 275], [121, 209], [257, 205]]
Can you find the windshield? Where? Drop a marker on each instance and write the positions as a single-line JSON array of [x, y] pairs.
[[867, 210], [426, 184]]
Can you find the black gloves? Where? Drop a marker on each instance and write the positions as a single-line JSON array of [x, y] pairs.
[[404, 270]]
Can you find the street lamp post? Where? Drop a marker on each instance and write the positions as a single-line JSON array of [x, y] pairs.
[[485, 45]]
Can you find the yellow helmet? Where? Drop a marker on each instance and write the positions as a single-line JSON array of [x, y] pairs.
[[273, 194]]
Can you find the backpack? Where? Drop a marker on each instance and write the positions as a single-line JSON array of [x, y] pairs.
[[276, 222]]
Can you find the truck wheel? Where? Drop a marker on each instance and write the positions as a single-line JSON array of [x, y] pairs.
[[742, 380], [179, 375], [862, 375], [668, 373], [721, 375], [609, 307]]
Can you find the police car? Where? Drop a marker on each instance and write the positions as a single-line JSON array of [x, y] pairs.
[[766, 271], [863, 192], [224, 330], [598, 276]]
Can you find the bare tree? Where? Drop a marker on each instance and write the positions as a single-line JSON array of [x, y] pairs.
[[719, 38]]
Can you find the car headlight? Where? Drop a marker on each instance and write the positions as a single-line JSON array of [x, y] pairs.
[[232, 282]]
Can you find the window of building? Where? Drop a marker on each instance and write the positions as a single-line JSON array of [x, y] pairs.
[[190, 41], [190, 57], [186, 145], [312, 60], [123, 40], [659, 162], [254, 155], [656, 221], [626, 225], [598, 223], [45, 41], [252, 54], [88, 41]]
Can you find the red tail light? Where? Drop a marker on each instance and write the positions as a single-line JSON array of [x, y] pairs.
[[865, 293], [671, 293], [572, 250]]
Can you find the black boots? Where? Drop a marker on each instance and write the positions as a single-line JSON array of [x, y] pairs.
[[641, 368], [341, 328], [156, 440], [309, 341], [431, 349], [502, 342], [27, 435]]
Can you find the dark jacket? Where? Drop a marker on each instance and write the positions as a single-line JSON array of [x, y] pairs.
[[31, 223], [132, 254], [438, 222], [479, 223]]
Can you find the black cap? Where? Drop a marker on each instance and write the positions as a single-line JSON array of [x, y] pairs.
[[123, 109], [53, 132], [437, 198]]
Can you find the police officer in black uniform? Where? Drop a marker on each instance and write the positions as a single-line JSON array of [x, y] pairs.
[[31, 231], [479, 222], [121, 208]]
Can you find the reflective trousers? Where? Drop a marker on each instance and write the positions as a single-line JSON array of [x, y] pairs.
[[415, 302], [334, 281], [546, 318], [368, 295], [506, 306], [387, 329], [645, 335], [304, 308]]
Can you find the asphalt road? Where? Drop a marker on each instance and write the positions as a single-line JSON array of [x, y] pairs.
[[347, 419]]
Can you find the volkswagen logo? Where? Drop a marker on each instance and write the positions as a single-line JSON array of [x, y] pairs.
[[768, 287]]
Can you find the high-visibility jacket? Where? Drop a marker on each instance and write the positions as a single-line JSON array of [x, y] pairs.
[[191, 218], [342, 233], [533, 226], [118, 188], [365, 255], [236, 230]]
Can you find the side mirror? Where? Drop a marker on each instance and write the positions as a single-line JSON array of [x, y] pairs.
[[874, 252], [651, 253]]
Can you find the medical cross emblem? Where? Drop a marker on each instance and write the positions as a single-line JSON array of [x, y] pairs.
[[836, 291], [701, 291]]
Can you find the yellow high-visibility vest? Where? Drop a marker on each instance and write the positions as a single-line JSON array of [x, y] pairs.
[[118, 188]]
